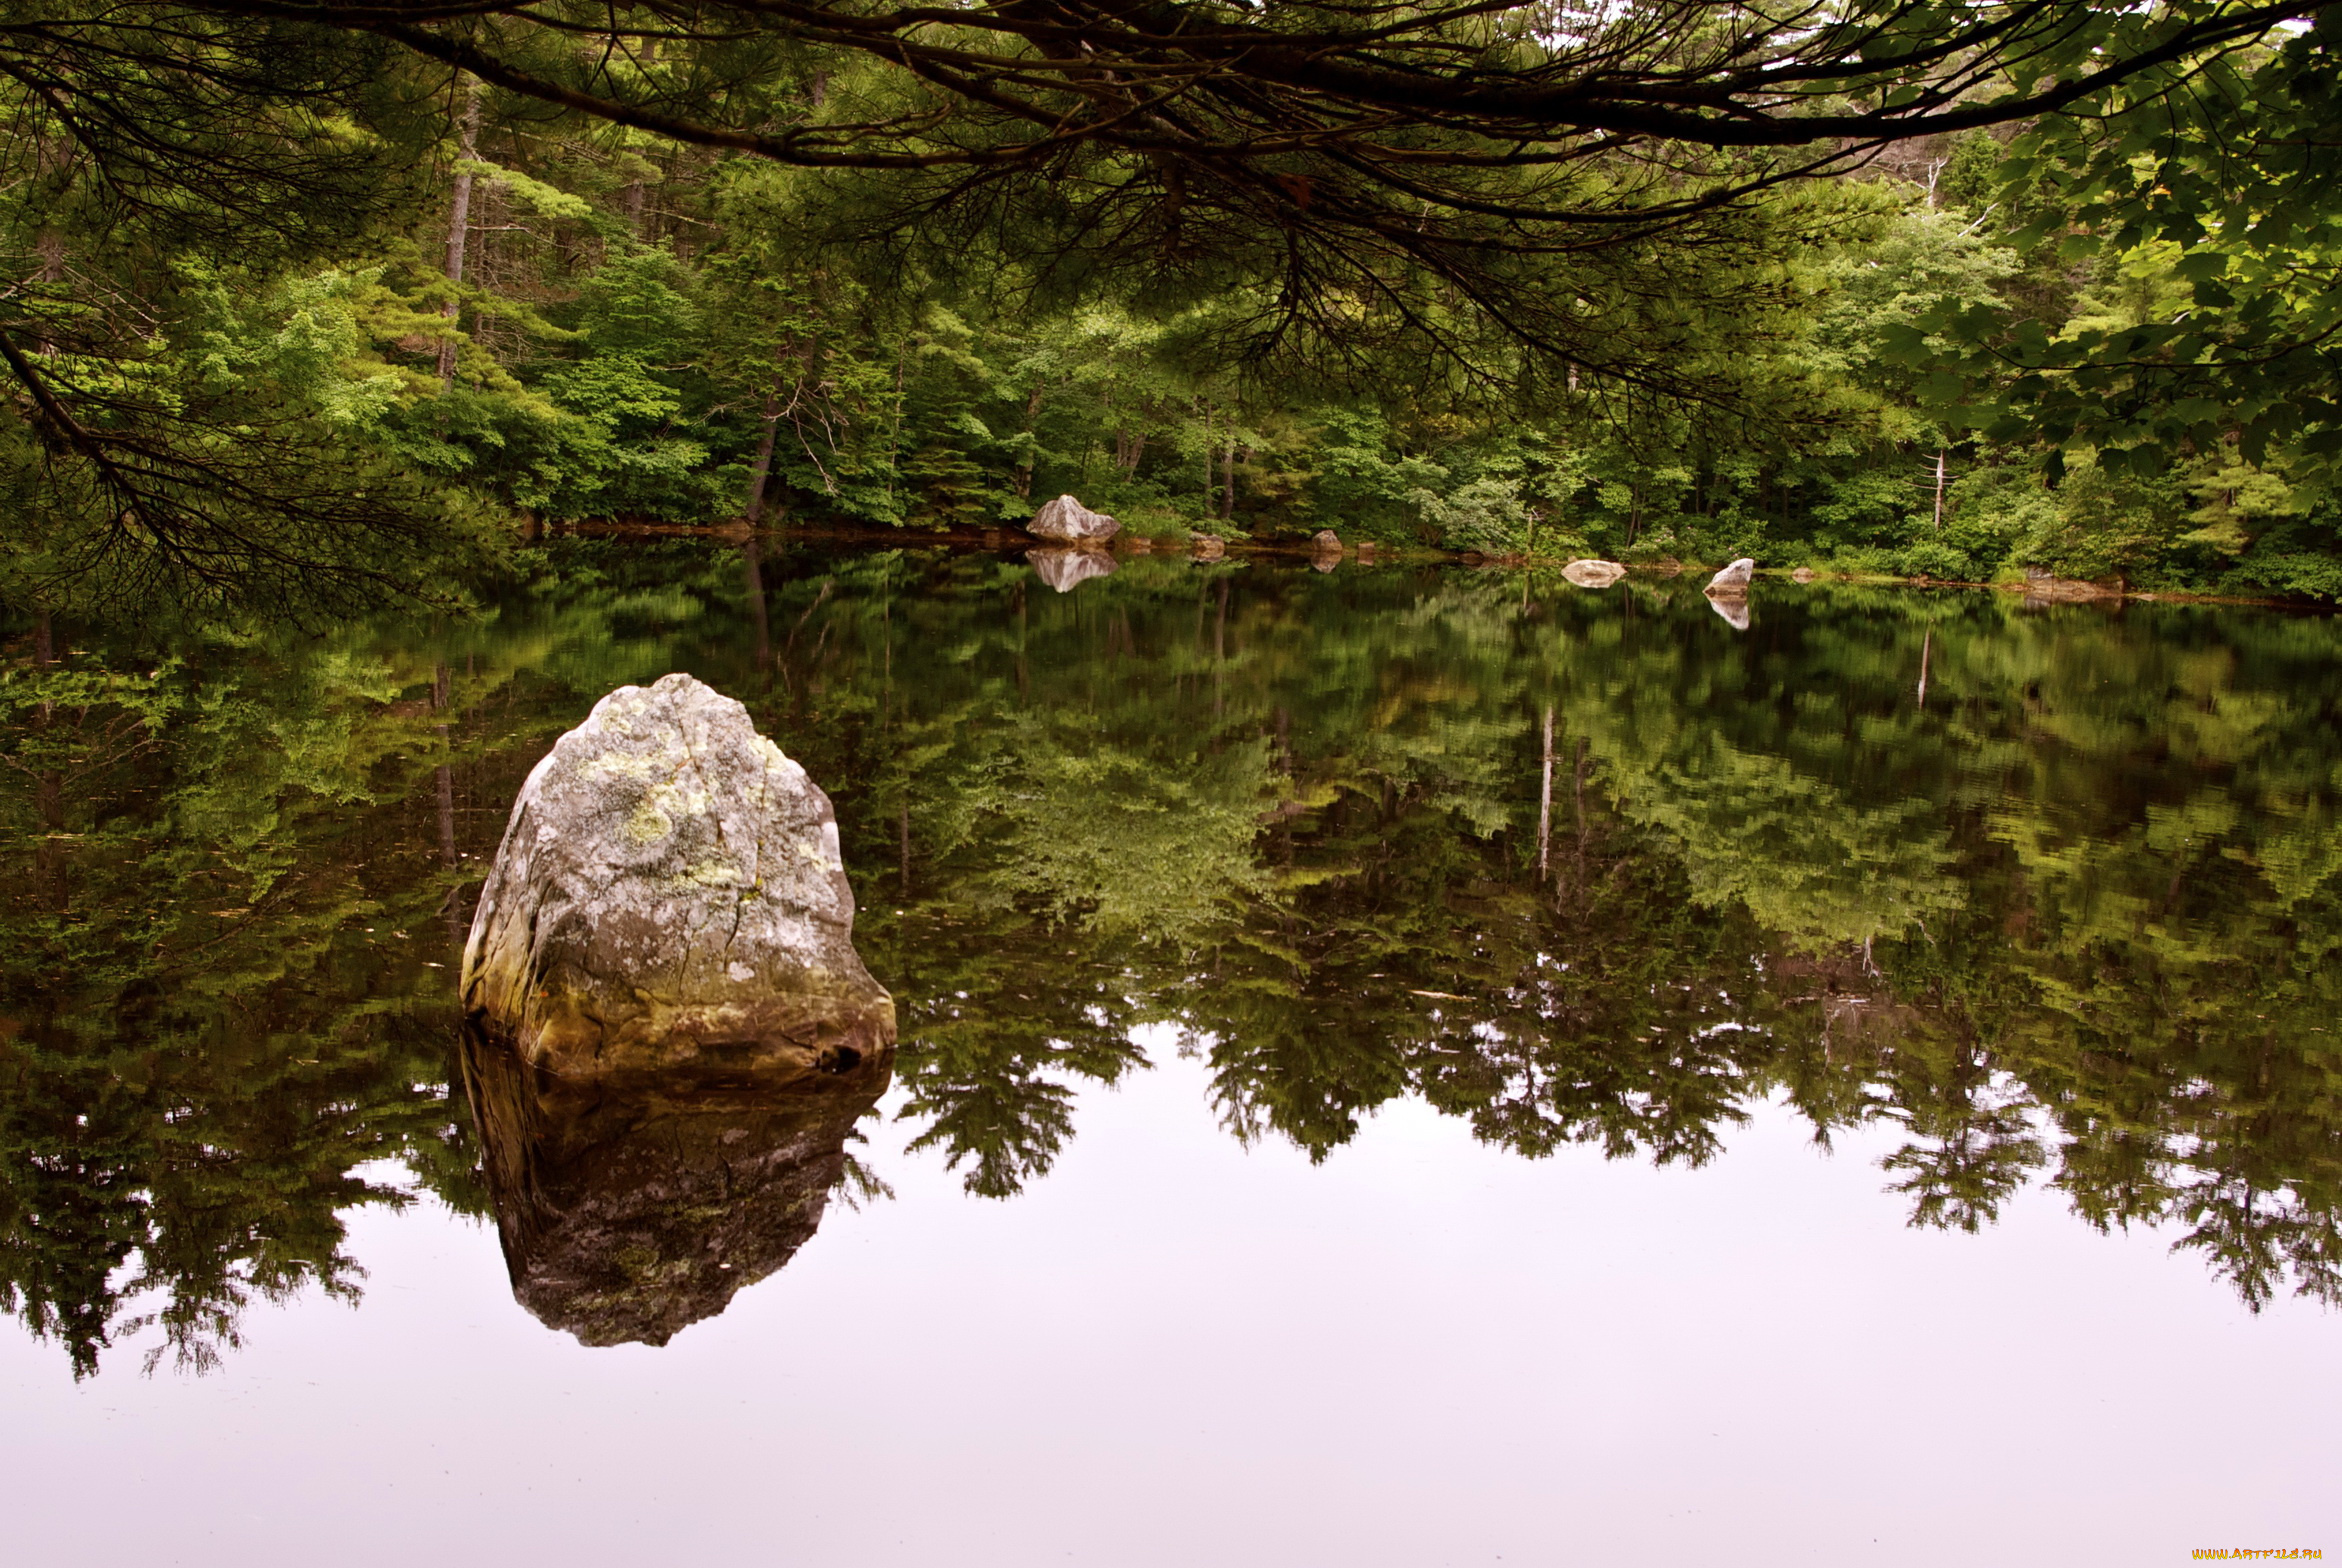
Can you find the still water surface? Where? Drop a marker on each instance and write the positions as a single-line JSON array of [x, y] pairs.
[[1396, 1067]]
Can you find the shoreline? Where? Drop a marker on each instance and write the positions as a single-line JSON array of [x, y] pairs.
[[1012, 541]]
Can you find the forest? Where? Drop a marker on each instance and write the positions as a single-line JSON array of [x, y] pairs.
[[312, 306]]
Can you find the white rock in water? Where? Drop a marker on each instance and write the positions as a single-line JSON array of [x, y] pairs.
[[669, 895], [1593, 574], [1068, 520], [1734, 578], [1066, 570]]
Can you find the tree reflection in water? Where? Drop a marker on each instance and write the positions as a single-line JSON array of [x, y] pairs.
[[1577, 867]]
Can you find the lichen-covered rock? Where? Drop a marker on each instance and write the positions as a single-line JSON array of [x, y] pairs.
[[1593, 574], [669, 897], [629, 1210], [1066, 570], [1069, 522], [1326, 542], [1734, 579]]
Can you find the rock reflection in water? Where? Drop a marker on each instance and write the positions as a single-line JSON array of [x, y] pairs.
[[1066, 570], [1734, 611], [633, 1209]]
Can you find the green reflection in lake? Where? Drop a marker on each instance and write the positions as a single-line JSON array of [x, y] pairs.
[[2053, 888]]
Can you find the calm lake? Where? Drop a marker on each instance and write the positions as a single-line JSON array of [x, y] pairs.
[[1397, 1066]]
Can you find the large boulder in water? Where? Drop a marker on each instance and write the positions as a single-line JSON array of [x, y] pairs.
[[1069, 522], [1734, 579], [629, 1210], [669, 897], [1593, 574]]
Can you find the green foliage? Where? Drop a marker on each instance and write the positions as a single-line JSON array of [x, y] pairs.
[[261, 367]]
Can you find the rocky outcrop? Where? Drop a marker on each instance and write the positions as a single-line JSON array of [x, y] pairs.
[[629, 1210], [1733, 581], [1066, 570], [1067, 521], [1207, 547], [669, 899], [1593, 574], [1804, 574], [1325, 542]]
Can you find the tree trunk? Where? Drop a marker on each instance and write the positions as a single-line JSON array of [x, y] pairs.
[[1024, 470], [761, 472], [1228, 484], [1211, 491], [894, 448], [1128, 451], [459, 226]]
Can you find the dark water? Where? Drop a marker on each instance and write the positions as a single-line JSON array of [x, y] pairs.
[[1295, 953]]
